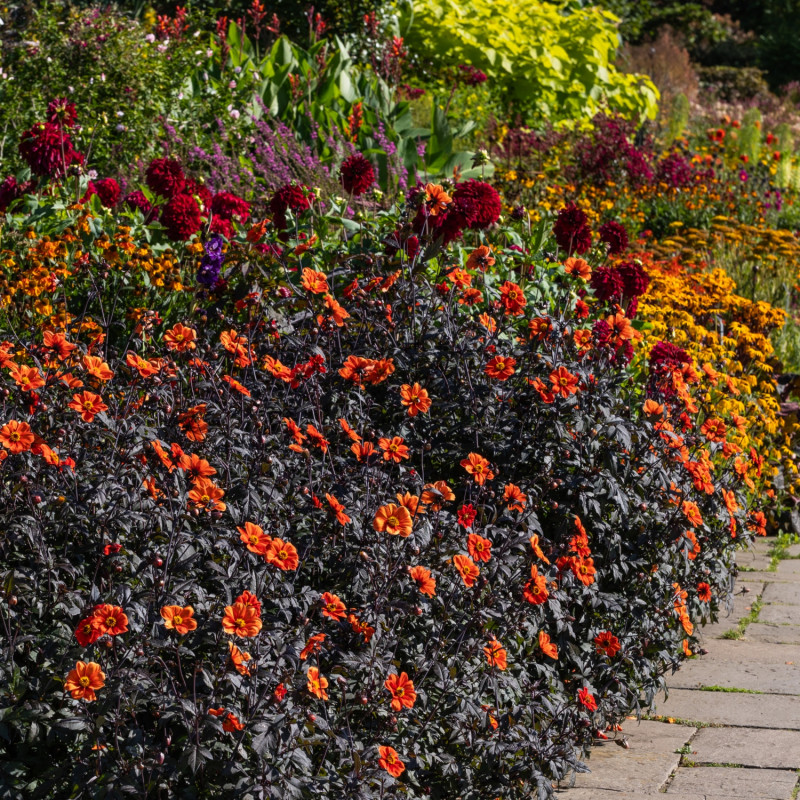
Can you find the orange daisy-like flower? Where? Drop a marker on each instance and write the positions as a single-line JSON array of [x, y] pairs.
[[704, 592], [415, 399], [535, 591], [534, 540], [180, 338], [144, 367], [425, 582], [714, 430], [414, 504], [393, 449], [88, 404], [578, 267], [97, 368], [548, 648], [313, 645], [403, 693], [83, 681], [338, 312], [496, 655], [607, 644], [653, 409], [437, 494], [179, 618], [436, 199], [16, 437], [390, 761], [512, 298], [231, 723], [564, 382], [27, 378], [195, 467], [317, 683], [481, 258], [363, 451], [488, 322], [479, 548], [501, 368], [282, 555], [87, 631], [587, 700], [239, 659], [514, 497], [540, 328], [207, 495], [241, 619], [394, 520], [467, 569], [58, 343], [315, 282], [333, 607], [111, 620], [583, 569], [351, 434], [338, 509], [361, 626], [317, 439], [254, 537], [234, 384], [692, 512], [477, 466]]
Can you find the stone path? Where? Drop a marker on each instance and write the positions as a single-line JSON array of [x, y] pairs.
[[729, 728]]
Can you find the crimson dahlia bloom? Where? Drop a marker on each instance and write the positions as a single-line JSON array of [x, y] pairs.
[[289, 197], [572, 230], [615, 236], [225, 205], [138, 200], [634, 279], [107, 189], [478, 203], [607, 283], [181, 217], [62, 111], [48, 150], [357, 175], [165, 177]]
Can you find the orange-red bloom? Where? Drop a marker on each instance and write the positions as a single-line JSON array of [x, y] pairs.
[[282, 555], [514, 497], [477, 466], [97, 368], [338, 509], [415, 399], [313, 645], [607, 644], [501, 368], [179, 618], [578, 267], [390, 761], [111, 620], [88, 404], [317, 683], [535, 590], [436, 199], [496, 655], [16, 437], [467, 568], [564, 382], [393, 449], [513, 298], [239, 659], [207, 495], [548, 648], [180, 338], [333, 607], [402, 689], [437, 494], [231, 723], [27, 378], [315, 282], [425, 582], [479, 548], [394, 520], [241, 619], [83, 681]]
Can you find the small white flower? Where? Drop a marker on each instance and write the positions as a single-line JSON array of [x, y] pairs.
[[209, 53], [120, 113]]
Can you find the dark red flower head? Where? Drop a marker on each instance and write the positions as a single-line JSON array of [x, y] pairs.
[[357, 175], [181, 217], [289, 197], [165, 177], [606, 283], [615, 236], [200, 192], [572, 230], [62, 112], [107, 189], [138, 200], [667, 357], [227, 206], [634, 279], [10, 191], [48, 150], [478, 203]]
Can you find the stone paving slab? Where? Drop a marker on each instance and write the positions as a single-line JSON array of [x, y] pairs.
[[732, 708], [787, 594], [789, 568], [779, 614], [602, 794], [734, 782], [773, 634], [760, 748], [649, 761], [753, 559], [764, 576]]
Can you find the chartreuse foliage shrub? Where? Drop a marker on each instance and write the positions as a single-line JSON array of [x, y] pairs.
[[424, 462], [556, 60]]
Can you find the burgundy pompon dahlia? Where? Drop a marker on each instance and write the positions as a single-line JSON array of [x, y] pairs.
[[615, 236], [62, 112], [165, 177], [181, 217], [48, 150], [572, 230], [107, 189], [634, 279], [10, 191], [357, 175], [606, 283], [478, 203], [297, 198], [225, 205], [138, 200]]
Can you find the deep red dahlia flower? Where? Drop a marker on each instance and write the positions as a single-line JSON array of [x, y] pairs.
[[221, 226], [226, 206], [62, 112], [165, 177], [200, 192], [10, 191], [634, 279], [138, 200], [48, 150], [357, 175], [615, 236], [478, 203], [290, 197], [667, 357], [181, 217], [107, 189], [572, 230], [606, 283]]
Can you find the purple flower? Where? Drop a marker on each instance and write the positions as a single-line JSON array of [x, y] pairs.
[[211, 265]]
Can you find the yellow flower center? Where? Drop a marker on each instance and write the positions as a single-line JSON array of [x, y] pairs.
[[392, 522], [283, 555], [111, 621], [177, 619], [15, 436], [84, 680], [399, 691], [240, 623]]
